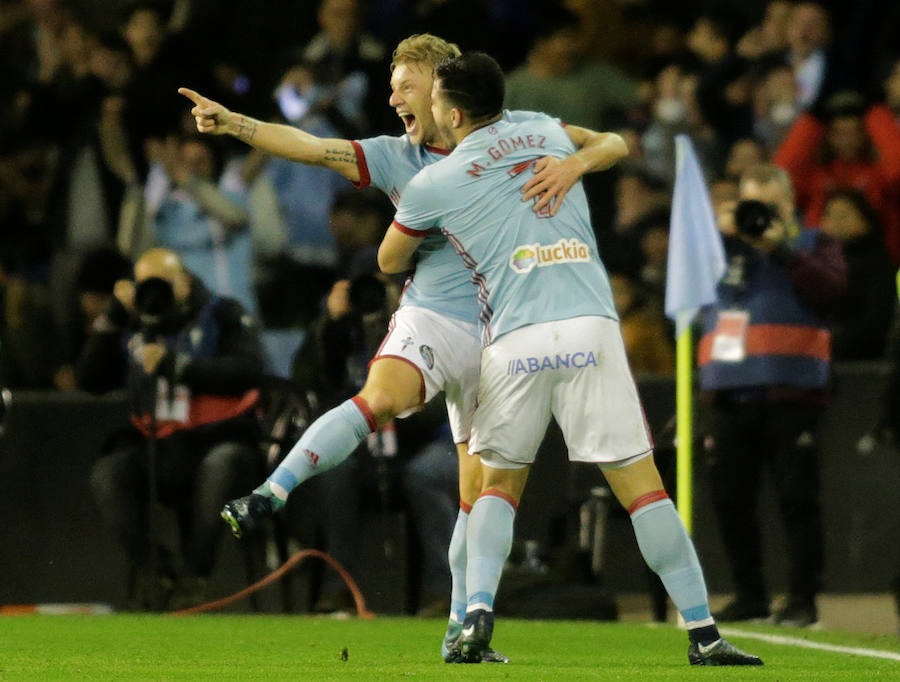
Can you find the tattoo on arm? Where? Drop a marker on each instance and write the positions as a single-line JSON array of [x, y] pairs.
[[341, 155], [246, 129]]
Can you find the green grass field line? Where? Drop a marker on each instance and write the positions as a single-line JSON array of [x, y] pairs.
[[273, 647]]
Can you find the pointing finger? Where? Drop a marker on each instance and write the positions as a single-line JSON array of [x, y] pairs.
[[195, 97]]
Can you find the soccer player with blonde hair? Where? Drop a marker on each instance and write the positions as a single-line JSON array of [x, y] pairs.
[[432, 344]]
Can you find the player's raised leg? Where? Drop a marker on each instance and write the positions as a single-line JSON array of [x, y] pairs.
[[667, 549], [392, 387]]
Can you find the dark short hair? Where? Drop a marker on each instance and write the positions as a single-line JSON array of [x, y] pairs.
[[473, 82]]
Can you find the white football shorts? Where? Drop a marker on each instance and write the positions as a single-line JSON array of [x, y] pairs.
[[447, 354], [574, 370]]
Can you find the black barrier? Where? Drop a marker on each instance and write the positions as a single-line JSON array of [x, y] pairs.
[[53, 548]]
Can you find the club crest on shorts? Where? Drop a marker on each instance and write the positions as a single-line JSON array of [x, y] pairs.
[[427, 355]]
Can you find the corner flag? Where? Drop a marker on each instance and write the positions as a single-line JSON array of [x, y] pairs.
[[696, 256], [696, 263]]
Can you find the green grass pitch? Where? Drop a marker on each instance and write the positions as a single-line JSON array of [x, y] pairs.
[[251, 647]]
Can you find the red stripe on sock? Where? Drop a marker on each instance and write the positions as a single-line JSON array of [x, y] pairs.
[[503, 496], [367, 412], [647, 498], [465, 506]]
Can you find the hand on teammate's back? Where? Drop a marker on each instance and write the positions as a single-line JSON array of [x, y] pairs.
[[552, 180]]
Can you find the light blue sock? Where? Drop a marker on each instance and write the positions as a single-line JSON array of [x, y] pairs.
[[488, 540], [326, 443], [668, 550], [457, 557]]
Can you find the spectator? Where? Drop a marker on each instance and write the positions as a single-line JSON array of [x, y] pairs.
[[653, 241], [305, 193], [307, 258], [559, 80], [764, 363], [809, 35], [191, 362], [640, 199], [358, 219], [854, 147], [112, 64], [743, 156], [658, 40], [646, 336], [86, 202], [724, 87], [161, 58], [356, 224], [97, 273], [198, 208], [863, 317], [676, 110], [639, 194], [776, 106], [771, 36], [29, 173], [349, 62], [791, 52]]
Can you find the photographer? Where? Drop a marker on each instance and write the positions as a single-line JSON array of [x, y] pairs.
[[191, 362], [764, 361]]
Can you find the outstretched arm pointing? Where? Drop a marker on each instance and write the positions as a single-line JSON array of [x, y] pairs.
[[274, 138]]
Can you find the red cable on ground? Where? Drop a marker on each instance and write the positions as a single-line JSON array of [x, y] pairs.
[[290, 564]]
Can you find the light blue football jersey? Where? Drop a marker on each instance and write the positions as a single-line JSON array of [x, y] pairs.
[[529, 268], [440, 282]]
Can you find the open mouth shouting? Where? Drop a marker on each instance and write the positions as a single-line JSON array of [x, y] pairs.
[[409, 123]]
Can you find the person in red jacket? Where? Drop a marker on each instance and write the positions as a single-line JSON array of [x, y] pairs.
[[848, 147]]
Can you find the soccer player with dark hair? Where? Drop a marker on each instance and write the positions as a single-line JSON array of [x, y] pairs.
[[432, 342], [551, 342]]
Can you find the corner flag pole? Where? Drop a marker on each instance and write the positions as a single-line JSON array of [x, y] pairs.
[[684, 423], [696, 263]]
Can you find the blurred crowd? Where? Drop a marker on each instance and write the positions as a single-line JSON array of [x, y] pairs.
[[99, 159]]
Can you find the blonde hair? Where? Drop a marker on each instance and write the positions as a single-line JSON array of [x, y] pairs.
[[423, 48]]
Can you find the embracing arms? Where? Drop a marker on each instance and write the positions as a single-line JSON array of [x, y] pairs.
[[554, 177]]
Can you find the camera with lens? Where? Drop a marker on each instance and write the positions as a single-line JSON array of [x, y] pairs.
[[753, 217], [154, 301]]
